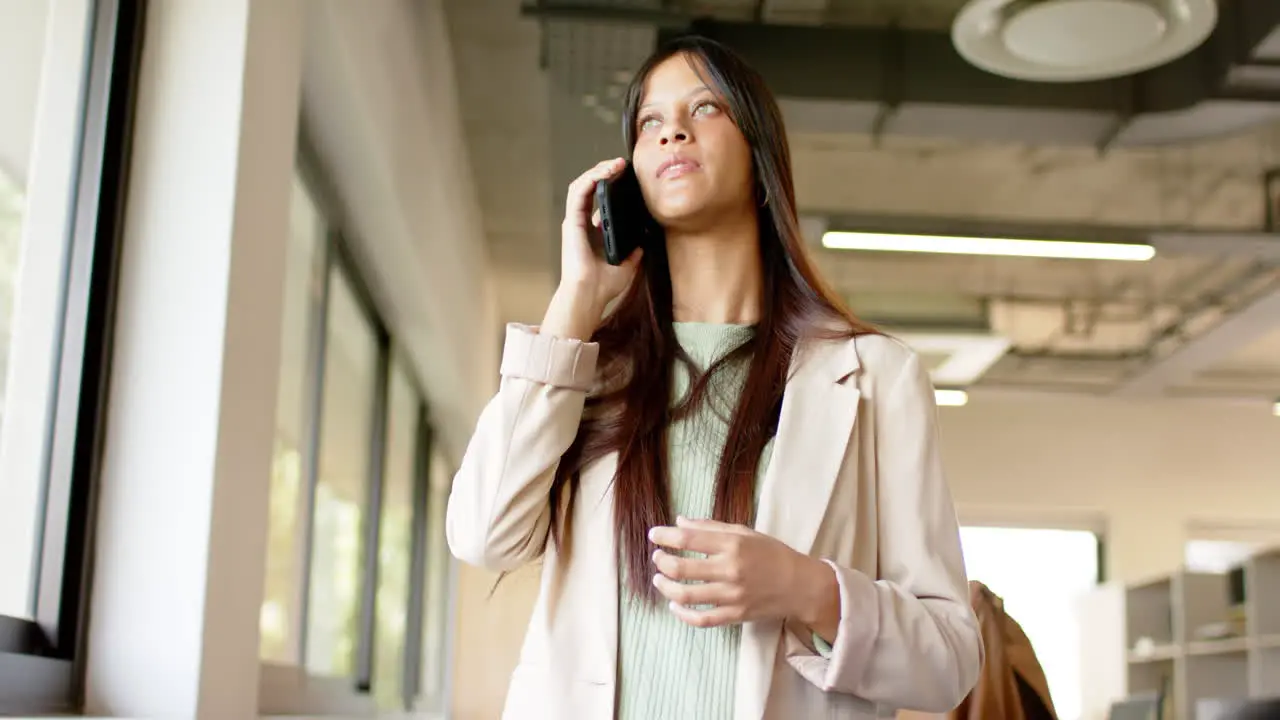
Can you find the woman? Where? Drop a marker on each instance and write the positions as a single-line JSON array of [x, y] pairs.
[[733, 484]]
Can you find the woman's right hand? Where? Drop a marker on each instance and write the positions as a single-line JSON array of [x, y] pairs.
[[588, 283]]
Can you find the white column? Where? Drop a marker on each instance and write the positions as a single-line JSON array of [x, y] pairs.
[[184, 493]]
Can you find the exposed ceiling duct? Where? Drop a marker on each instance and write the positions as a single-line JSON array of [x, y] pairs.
[[908, 81]]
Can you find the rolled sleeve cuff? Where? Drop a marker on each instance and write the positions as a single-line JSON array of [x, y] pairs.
[[840, 664], [822, 646], [546, 359]]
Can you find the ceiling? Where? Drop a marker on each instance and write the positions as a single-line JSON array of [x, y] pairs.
[[540, 103]]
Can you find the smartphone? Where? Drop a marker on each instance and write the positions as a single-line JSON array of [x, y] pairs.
[[625, 221]]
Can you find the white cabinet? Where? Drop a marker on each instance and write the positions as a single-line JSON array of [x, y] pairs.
[[1204, 637]]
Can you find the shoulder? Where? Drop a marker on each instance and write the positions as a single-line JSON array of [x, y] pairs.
[[889, 368], [880, 362], [883, 355], [876, 360]]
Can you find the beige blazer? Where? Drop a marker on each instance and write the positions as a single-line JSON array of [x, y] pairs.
[[855, 479]]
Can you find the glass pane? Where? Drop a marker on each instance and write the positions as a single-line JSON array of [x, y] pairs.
[[351, 353], [1040, 574], [42, 60], [1218, 556], [395, 541], [435, 631], [282, 594]]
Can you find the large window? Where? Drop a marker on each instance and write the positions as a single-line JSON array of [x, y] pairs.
[[357, 588], [1219, 547], [1040, 574], [303, 288], [436, 638], [36, 76], [395, 539], [339, 508], [67, 74]]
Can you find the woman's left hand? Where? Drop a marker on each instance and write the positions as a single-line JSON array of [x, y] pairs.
[[745, 576]]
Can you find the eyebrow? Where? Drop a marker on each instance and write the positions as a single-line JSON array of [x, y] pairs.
[[686, 96]]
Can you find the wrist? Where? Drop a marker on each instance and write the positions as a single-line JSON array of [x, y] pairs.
[[819, 600], [573, 313]]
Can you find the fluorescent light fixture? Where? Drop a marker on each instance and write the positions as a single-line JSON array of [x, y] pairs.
[[1275, 409], [950, 398], [1009, 247]]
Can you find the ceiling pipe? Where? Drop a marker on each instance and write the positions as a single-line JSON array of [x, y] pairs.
[[900, 81]]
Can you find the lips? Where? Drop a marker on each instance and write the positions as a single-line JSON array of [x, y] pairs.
[[677, 165]]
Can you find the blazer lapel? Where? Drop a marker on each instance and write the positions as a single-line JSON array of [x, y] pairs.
[[818, 413]]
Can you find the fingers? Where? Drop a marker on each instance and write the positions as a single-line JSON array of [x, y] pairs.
[[709, 617], [633, 259], [595, 218], [718, 594], [676, 567], [713, 526], [581, 189], [707, 542]]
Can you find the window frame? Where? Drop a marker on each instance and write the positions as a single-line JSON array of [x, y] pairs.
[[415, 624], [344, 263], [334, 257], [440, 702], [335, 253], [41, 660]]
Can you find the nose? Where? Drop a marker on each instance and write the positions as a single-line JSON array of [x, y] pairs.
[[673, 132], [679, 136]]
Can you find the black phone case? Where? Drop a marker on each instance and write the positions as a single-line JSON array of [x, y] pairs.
[[623, 220]]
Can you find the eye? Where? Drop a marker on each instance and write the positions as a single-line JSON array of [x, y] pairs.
[[705, 107], [647, 123]]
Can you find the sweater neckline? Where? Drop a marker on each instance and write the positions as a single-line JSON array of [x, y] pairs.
[[708, 342]]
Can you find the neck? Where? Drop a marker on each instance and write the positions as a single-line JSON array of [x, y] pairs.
[[716, 274]]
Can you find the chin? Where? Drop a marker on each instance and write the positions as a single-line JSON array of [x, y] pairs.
[[685, 221], [678, 212]]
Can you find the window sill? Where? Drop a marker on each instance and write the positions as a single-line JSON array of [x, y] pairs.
[[35, 685], [287, 690]]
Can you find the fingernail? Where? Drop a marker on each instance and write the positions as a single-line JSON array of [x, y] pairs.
[[652, 532], [655, 579]]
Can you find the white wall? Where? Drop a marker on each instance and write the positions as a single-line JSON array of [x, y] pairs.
[[1147, 469]]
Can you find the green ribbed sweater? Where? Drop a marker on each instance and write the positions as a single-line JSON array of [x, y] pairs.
[[669, 670]]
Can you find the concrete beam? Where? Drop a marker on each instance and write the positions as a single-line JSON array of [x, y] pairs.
[[1261, 246], [795, 12], [1214, 345]]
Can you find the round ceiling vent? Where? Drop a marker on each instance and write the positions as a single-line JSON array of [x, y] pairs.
[[1078, 40]]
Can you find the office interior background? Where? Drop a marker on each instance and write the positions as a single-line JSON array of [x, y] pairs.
[[256, 257]]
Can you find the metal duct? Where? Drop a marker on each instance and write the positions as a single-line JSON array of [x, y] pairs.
[[884, 80]]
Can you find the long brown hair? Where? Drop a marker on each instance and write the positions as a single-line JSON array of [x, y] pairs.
[[629, 411]]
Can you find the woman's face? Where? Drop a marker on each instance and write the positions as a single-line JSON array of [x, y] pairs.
[[693, 162]]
